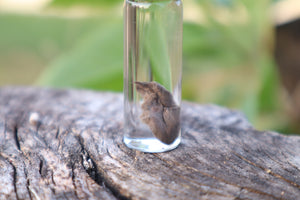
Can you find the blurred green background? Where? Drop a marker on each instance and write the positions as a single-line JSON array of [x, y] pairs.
[[227, 52]]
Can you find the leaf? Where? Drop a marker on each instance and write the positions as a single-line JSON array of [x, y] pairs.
[[95, 63]]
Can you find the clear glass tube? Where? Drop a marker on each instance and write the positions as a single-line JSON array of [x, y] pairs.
[[152, 74]]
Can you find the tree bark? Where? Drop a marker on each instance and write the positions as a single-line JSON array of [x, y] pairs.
[[67, 144]]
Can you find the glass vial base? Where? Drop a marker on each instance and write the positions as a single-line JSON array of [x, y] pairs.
[[152, 74], [150, 145]]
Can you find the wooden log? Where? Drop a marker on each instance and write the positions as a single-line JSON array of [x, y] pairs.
[[67, 144]]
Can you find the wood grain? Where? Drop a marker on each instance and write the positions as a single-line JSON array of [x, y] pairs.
[[74, 150]]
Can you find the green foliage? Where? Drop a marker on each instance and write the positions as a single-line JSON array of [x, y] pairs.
[[95, 62], [42, 35], [268, 95], [205, 48], [226, 58], [241, 48], [69, 3]]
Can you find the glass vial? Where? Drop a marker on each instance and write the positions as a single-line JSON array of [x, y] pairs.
[[152, 74]]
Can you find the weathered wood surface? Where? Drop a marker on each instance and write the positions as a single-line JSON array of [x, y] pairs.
[[75, 151]]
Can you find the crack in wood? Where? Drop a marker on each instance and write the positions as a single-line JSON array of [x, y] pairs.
[[27, 184], [41, 167], [91, 168], [17, 137], [108, 153], [52, 179], [89, 165], [27, 179], [73, 180], [57, 132], [14, 177]]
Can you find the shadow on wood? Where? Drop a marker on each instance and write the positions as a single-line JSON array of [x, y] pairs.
[[71, 148]]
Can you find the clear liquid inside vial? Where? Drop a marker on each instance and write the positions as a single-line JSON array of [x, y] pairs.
[[152, 54]]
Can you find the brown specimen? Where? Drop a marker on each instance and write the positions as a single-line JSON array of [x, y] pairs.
[[160, 111], [67, 144]]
